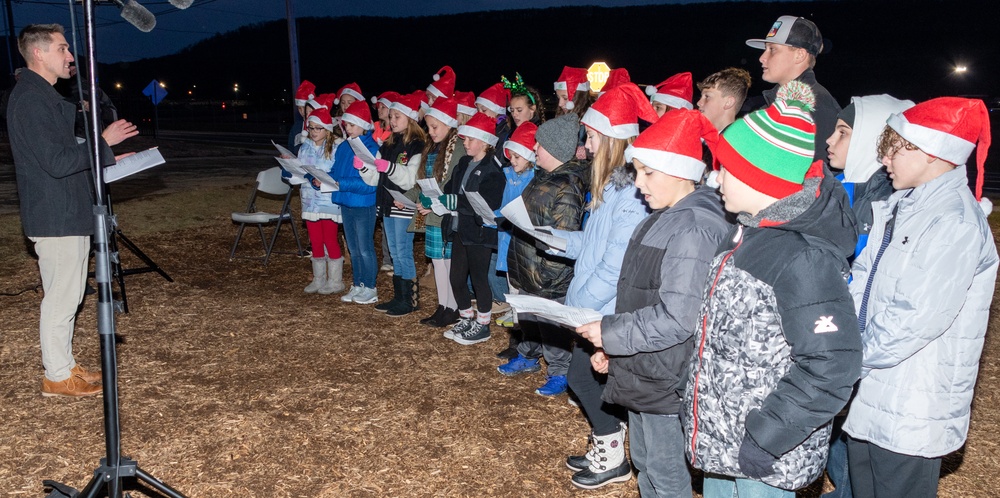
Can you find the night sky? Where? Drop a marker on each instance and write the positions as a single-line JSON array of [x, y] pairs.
[[175, 29]]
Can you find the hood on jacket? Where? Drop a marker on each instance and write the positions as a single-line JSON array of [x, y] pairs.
[[572, 168], [870, 114], [821, 210], [622, 176]]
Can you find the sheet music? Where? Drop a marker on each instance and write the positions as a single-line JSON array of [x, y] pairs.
[[430, 188], [281, 150], [481, 207], [517, 213], [326, 182], [361, 151], [293, 166], [566, 315], [140, 161], [398, 196]]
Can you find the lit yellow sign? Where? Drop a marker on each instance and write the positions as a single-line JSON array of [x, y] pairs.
[[597, 75]]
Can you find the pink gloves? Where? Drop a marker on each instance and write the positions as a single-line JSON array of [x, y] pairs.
[[381, 165], [358, 163]]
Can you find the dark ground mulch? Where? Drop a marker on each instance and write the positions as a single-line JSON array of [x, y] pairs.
[[233, 382]]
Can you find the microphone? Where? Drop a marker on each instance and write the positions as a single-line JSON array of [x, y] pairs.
[[181, 4], [137, 15]]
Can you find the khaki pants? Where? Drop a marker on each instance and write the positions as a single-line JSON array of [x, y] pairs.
[[62, 263]]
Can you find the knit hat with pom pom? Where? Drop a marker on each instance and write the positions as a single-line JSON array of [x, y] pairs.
[[770, 150]]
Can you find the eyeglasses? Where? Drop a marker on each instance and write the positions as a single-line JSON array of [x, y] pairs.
[[315, 128]]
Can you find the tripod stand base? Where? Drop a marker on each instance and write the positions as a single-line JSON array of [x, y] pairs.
[[110, 477]]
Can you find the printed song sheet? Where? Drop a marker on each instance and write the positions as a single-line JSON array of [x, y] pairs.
[[293, 166], [545, 308], [482, 208], [140, 161], [402, 199], [516, 213], [361, 151], [326, 182]]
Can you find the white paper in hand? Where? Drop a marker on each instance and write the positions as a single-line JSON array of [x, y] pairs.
[[560, 313], [517, 213], [326, 182], [361, 151], [402, 199], [282, 151], [294, 167], [481, 207], [429, 187], [140, 161]]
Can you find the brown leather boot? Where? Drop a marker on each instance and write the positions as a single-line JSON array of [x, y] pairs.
[[72, 387], [86, 375]]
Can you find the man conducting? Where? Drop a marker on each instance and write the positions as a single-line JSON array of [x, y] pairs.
[[55, 187]]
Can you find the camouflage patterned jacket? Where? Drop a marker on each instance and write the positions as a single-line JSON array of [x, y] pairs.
[[777, 349]]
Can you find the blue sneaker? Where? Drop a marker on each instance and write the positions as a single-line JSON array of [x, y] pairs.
[[519, 365], [554, 386]]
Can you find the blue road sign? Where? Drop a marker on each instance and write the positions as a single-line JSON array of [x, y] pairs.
[[155, 92]]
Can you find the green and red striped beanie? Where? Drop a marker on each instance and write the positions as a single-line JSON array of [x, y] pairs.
[[771, 149]]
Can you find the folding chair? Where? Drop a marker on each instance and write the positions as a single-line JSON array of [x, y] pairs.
[[269, 183]]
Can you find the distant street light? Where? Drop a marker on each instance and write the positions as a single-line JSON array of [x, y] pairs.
[[961, 69]]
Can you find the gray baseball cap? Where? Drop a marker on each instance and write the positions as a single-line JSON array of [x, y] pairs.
[[792, 31]]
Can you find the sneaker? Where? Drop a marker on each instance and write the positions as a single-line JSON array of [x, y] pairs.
[[73, 387], [463, 326], [506, 320], [386, 268], [499, 308], [366, 295], [350, 294], [554, 386], [479, 332], [519, 365], [589, 479]]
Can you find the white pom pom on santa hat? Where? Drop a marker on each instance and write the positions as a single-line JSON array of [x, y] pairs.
[[650, 89], [305, 133], [436, 76], [986, 205], [570, 105], [374, 99]]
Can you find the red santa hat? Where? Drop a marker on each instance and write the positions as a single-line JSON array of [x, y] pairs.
[[386, 98], [616, 113], [676, 91], [949, 128], [444, 83], [522, 141], [466, 102], [572, 79], [359, 114], [495, 98], [306, 91], [424, 101], [482, 127], [409, 105], [445, 110], [322, 101], [616, 77], [351, 89], [321, 117], [672, 145]]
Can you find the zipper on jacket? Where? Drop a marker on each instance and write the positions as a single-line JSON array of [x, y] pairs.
[[738, 239]]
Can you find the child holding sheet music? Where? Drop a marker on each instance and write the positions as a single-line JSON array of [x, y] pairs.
[[357, 204], [318, 209], [443, 153], [395, 171], [478, 172]]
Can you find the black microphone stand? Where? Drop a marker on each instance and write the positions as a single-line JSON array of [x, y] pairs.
[[114, 468]]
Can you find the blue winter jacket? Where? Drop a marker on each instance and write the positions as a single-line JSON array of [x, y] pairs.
[[515, 185], [600, 248], [354, 192]]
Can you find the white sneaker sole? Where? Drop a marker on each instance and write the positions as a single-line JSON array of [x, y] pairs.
[[469, 342], [369, 301]]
